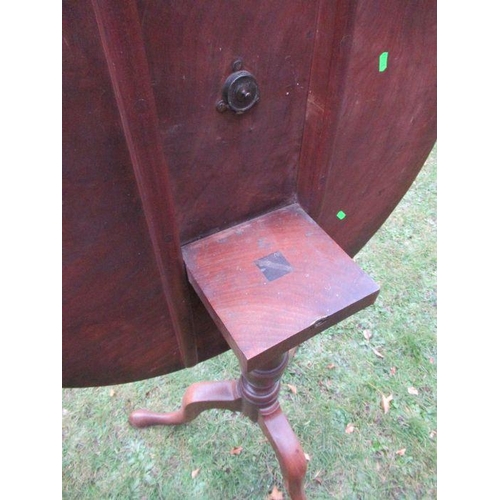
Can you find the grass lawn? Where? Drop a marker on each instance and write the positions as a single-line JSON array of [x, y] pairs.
[[361, 397]]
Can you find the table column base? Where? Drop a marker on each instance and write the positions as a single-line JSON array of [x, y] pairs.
[[255, 394]]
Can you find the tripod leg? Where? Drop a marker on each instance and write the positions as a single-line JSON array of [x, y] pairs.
[[198, 398], [288, 450]]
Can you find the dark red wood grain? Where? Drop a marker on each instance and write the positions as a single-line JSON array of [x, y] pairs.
[[120, 33], [368, 132], [227, 167], [311, 283], [116, 326], [149, 164]]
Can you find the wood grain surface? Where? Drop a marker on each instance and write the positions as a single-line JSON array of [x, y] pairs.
[[150, 165], [275, 281], [227, 167], [368, 132], [116, 323]]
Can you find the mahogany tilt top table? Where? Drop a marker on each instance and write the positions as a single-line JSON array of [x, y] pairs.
[[269, 284], [222, 164]]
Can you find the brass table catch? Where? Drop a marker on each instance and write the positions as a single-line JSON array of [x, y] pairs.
[[240, 91]]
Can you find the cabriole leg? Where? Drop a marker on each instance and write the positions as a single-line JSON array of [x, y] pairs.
[[198, 398]]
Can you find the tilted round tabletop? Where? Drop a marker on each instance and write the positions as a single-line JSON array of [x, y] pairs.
[[344, 120]]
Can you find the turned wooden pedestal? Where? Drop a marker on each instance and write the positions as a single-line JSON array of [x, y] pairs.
[[269, 284]]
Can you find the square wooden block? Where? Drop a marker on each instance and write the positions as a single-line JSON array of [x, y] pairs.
[[275, 281]]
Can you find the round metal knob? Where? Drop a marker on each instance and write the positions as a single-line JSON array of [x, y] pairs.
[[240, 91]]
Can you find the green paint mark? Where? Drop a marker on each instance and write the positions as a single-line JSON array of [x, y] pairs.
[[341, 215], [382, 61]]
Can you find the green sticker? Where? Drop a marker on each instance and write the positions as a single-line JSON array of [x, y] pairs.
[[382, 61], [341, 215]]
